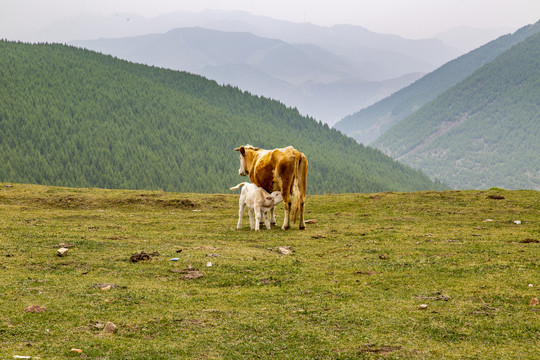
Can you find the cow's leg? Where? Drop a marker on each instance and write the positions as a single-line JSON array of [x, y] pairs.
[[301, 206], [240, 214], [251, 220], [302, 185], [302, 223], [287, 207], [286, 223]]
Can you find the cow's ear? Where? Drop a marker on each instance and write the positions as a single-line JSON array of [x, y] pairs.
[[241, 149]]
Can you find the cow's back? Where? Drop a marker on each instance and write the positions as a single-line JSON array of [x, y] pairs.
[[274, 167]]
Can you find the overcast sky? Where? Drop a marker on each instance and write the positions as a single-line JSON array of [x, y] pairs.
[[408, 18]]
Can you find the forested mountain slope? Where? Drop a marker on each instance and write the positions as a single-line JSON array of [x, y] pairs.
[[368, 124], [483, 132], [73, 117]]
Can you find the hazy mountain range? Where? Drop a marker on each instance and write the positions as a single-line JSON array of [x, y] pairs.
[[467, 38], [371, 122], [316, 81], [326, 72], [484, 131], [472, 121], [370, 50]]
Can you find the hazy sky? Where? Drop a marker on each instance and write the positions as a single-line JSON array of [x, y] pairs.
[[408, 18]]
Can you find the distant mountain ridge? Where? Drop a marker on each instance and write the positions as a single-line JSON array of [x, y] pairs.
[[73, 117], [368, 49], [371, 122], [468, 38], [311, 78], [197, 49], [483, 132]]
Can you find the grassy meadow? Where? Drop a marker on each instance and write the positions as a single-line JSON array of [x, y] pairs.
[[351, 289]]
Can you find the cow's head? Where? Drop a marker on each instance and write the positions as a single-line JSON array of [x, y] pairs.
[[243, 170]]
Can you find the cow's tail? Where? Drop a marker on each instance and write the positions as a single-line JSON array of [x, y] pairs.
[[239, 185], [296, 202], [299, 186]]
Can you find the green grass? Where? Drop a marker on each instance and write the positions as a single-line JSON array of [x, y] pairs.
[[351, 289]]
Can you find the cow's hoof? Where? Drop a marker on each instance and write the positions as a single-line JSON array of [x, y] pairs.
[[285, 227], [302, 227]]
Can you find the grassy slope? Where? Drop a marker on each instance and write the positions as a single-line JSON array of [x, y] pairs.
[[350, 290]]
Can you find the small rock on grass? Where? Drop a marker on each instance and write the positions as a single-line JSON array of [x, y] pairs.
[[107, 286], [534, 302], [98, 325], [110, 328], [285, 250], [62, 251], [423, 307]]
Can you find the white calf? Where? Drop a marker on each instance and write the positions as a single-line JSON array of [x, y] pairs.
[[259, 202]]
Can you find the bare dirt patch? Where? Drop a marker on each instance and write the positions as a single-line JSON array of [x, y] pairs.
[[372, 348], [142, 256]]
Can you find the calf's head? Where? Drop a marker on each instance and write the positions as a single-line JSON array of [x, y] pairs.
[[275, 197]]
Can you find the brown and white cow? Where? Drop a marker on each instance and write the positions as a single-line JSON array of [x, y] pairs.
[[279, 169]]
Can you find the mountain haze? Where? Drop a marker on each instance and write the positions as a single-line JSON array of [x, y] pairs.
[[311, 78], [369, 50], [483, 132], [369, 123], [467, 38], [73, 117]]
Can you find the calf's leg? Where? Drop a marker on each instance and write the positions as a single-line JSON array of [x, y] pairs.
[[264, 215], [251, 220], [240, 214], [258, 211]]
